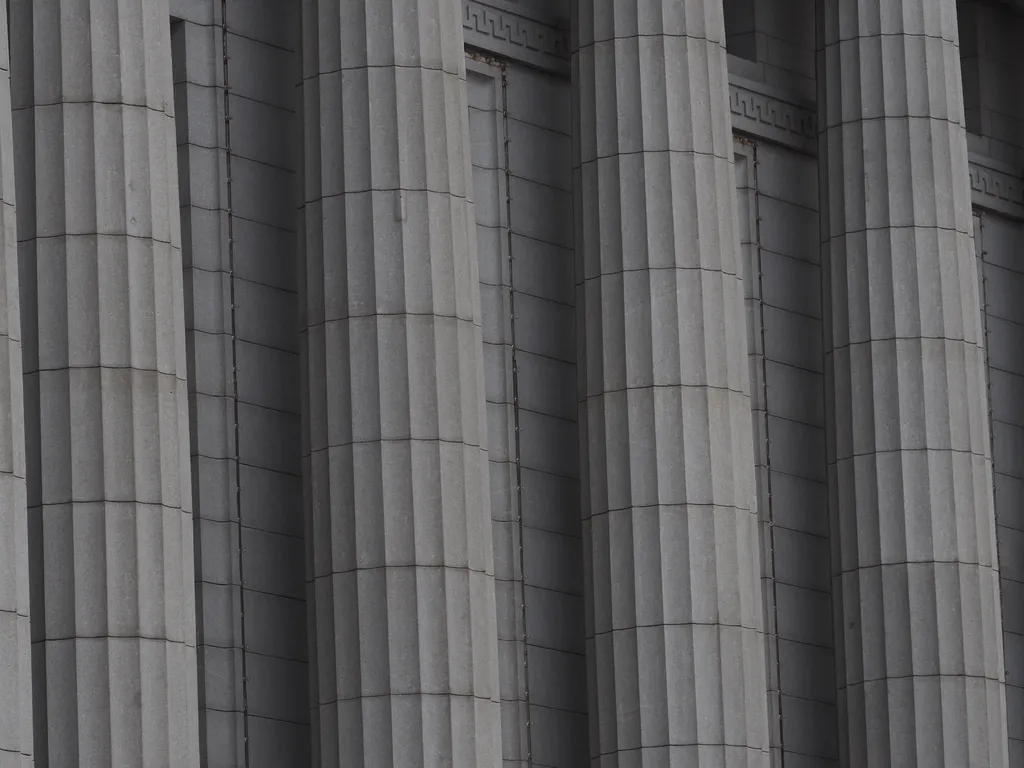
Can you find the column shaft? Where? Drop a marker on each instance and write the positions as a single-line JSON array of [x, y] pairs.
[[106, 409], [15, 638], [400, 559], [915, 582], [674, 624]]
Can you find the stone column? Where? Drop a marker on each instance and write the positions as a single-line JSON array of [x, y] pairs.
[[15, 638], [400, 562], [105, 392], [915, 586], [674, 624]]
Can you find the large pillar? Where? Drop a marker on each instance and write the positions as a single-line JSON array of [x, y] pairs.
[[675, 642], [915, 584], [400, 565], [15, 638], [106, 410]]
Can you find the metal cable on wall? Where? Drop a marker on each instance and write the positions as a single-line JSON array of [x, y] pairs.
[[234, 379], [767, 447], [515, 411]]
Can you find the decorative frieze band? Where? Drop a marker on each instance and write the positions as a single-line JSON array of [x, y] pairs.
[[761, 114], [997, 190], [757, 110], [517, 37]]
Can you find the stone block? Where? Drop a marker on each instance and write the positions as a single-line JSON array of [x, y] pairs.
[[272, 501], [789, 229], [807, 673], [268, 377], [539, 155], [539, 99], [559, 738], [553, 561], [272, 563], [810, 728], [262, 72], [795, 394], [276, 742], [266, 134], [805, 615], [541, 212], [800, 504], [548, 444], [551, 502], [802, 560], [793, 339], [791, 284], [543, 270], [277, 688], [557, 679]]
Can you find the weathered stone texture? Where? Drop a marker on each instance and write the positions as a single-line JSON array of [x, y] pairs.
[[109, 495], [915, 584], [674, 619], [15, 639], [400, 559]]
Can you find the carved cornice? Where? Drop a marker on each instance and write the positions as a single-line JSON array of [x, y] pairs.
[[757, 109], [996, 189], [501, 31]]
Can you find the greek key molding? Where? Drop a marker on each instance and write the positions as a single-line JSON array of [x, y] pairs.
[[516, 37], [996, 190], [757, 110], [770, 117]]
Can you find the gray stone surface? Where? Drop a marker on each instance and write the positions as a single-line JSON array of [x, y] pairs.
[[15, 637], [109, 497], [776, 35], [992, 64], [450, 616], [247, 495], [487, 125], [675, 646], [529, 352], [789, 418], [915, 584], [998, 241], [398, 530]]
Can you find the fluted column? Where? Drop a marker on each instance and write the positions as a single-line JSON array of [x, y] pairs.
[[15, 638], [400, 565], [106, 409], [674, 624], [915, 586]]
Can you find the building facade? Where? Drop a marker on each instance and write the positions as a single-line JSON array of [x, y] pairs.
[[521, 383]]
